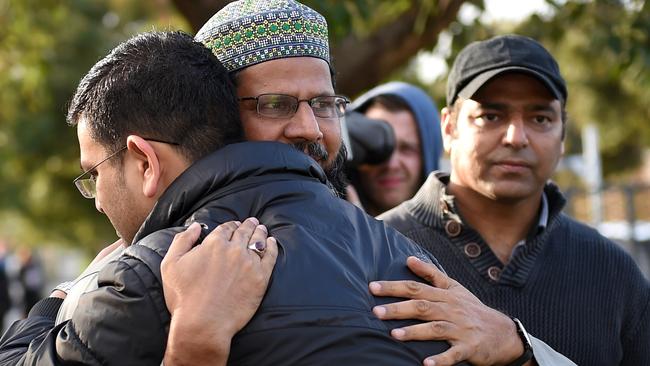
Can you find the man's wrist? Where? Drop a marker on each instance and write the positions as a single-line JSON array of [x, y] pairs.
[[527, 354], [191, 343]]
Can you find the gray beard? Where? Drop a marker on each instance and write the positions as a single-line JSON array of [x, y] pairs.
[[335, 172]]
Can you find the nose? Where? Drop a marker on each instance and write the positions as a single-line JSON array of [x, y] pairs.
[[303, 126], [516, 136], [394, 161]]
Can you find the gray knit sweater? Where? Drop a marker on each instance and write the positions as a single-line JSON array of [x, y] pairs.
[[571, 287]]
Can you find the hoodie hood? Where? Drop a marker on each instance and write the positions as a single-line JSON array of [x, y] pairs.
[[425, 113]]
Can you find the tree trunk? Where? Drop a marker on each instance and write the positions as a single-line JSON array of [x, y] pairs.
[[362, 63], [197, 12]]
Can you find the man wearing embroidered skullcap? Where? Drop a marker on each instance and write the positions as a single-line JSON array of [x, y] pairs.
[[277, 51], [134, 322], [152, 182], [153, 120]]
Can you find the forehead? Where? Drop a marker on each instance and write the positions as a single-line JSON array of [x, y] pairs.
[[303, 77], [402, 121]]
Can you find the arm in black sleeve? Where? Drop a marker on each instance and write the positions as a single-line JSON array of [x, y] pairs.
[[123, 322], [15, 342]]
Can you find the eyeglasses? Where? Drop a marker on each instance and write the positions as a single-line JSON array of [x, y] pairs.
[[88, 186], [285, 106]]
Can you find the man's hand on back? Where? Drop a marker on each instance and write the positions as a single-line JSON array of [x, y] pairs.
[[213, 289], [477, 333]]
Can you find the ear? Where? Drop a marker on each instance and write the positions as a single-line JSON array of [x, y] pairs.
[[148, 164], [448, 129]]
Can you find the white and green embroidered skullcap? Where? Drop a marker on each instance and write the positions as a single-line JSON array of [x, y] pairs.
[[247, 32]]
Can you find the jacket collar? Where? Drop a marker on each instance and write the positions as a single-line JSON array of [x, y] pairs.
[[219, 170]]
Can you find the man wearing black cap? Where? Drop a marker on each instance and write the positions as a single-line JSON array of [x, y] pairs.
[[495, 223]]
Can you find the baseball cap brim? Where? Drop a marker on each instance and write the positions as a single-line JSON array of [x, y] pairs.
[[473, 86]]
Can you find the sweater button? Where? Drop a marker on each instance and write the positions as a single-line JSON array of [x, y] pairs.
[[494, 273], [472, 250], [452, 228]]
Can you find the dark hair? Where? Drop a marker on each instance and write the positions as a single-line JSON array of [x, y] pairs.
[[159, 85]]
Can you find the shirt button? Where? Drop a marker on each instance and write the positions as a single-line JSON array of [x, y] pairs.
[[494, 273], [452, 228], [472, 250]]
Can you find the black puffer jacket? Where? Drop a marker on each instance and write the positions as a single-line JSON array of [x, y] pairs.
[[317, 310]]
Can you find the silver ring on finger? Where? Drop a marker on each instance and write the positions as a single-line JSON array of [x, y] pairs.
[[258, 247]]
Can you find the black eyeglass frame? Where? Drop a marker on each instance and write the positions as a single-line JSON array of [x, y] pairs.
[[80, 183], [339, 112]]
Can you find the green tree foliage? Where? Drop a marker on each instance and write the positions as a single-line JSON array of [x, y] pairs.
[[369, 39], [603, 48], [45, 48]]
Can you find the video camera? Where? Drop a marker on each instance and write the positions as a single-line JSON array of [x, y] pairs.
[[369, 141]]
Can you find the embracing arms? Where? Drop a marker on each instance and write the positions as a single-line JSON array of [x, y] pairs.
[[125, 321]]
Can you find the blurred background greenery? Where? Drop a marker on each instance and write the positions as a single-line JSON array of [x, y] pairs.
[[46, 46]]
